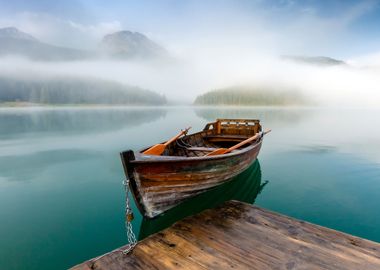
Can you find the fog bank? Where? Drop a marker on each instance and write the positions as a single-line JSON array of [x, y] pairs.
[[355, 84]]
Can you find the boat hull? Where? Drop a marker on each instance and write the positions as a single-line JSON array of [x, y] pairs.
[[158, 184]]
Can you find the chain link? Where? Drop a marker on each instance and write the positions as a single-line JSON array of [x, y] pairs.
[[128, 220]]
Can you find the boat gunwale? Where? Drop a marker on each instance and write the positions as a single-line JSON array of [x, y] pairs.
[[142, 158]]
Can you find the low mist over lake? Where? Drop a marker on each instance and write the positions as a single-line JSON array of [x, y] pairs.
[[183, 57]]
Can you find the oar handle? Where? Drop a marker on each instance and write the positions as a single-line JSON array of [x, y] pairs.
[[236, 146], [183, 132]]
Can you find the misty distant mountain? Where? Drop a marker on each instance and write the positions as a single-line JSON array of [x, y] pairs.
[[252, 96], [123, 45], [12, 32], [314, 60], [15, 42], [70, 90], [131, 45]]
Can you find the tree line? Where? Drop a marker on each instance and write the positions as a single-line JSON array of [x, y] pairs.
[[75, 91], [251, 96]]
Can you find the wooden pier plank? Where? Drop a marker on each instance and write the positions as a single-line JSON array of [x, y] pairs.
[[241, 236]]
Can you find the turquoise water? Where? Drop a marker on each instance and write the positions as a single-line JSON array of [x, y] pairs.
[[62, 201]]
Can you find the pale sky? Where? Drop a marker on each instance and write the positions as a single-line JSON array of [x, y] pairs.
[[340, 29]]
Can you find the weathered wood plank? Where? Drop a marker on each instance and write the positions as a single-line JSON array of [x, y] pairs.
[[172, 161], [241, 236], [150, 183]]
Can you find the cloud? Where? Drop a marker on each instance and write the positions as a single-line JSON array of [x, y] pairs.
[[357, 11], [282, 27], [97, 30], [236, 43], [313, 30], [332, 86]]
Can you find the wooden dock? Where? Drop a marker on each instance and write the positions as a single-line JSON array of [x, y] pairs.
[[242, 236]]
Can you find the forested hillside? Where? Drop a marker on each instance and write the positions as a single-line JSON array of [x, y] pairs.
[[68, 90], [251, 96]]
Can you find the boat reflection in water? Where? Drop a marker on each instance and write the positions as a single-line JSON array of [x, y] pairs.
[[243, 187]]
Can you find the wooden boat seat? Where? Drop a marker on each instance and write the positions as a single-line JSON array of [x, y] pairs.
[[226, 137], [206, 149]]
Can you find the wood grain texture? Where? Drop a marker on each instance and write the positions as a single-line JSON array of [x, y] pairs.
[[242, 236], [162, 186], [159, 183]]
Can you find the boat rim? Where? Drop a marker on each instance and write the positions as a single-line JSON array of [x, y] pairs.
[[143, 158]]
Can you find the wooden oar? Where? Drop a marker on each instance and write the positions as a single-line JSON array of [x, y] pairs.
[[222, 151], [158, 149]]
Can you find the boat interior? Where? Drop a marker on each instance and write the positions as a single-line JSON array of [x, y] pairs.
[[223, 133]]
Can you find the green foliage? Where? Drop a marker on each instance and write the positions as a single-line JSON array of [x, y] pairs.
[[75, 91], [251, 96]]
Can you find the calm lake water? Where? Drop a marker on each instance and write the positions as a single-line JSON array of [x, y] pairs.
[[61, 194]]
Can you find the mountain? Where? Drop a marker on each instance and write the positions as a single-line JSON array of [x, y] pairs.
[[123, 45], [16, 42], [12, 32], [131, 45], [314, 60], [70, 90], [252, 96]]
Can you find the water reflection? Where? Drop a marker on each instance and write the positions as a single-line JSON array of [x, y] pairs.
[[316, 149], [30, 166], [244, 187], [17, 122]]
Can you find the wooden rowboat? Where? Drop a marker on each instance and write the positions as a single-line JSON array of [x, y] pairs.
[[243, 187], [191, 164]]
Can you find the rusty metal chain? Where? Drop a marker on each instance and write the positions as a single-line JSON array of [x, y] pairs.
[[128, 220]]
